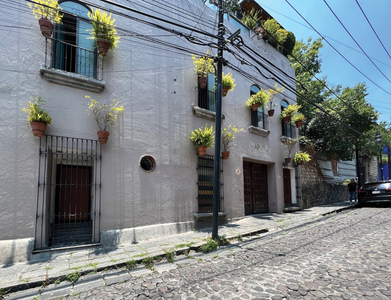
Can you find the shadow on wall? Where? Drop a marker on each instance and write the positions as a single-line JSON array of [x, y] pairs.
[[322, 193], [14, 251]]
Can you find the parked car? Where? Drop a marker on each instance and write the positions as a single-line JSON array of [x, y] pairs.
[[375, 192]]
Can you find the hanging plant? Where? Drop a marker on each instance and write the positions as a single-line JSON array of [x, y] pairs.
[[37, 117], [301, 157], [287, 113], [48, 13], [227, 137], [228, 83], [103, 31], [203, 66], [202, 138], [257, 100], [298, 119]]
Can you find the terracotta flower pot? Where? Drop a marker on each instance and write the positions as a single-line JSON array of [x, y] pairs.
[[201, 151], [298, 124], [225, 91], [38, 128], [202, 81], [288, 160], [103, 136], [255, 106], [225, 154], [103, 47], [46, 26], [287, 119], [270, 112]]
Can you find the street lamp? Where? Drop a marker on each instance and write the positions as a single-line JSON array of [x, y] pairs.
[[378, 139]]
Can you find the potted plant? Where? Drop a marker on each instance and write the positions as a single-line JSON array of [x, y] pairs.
[[105, 115], [256, 100], [227, 136], [203, 138], [301, 157], [270, 98], [37, 117], [103, 31], [202, 67], [298, 119], [228, 83], [47, 12], [287, 113], [288, 144]]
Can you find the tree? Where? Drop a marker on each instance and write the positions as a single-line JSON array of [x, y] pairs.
[[232, 6]]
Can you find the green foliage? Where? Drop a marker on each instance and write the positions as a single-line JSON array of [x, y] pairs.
[[222, 240], [227, 136], [49, 9], [210, 246], [298, 117], [251, 19], [131, 264], [73, 277], [290, 110], [104, 28], [231, 6], [384, 159], [301, 157], [148, 263], [203, 65], [239, 238], [228, 81], [271, 27], [286, 40], [269, 94], [259, 98], [104, 114], [203, 137], [170, 256], [36, 113]]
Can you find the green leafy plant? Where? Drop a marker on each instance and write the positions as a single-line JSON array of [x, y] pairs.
[[36, 113], [239, 238], [148, 263], [290, 110], [301, 157], [104, 114], [298, 117], [269, 32], [286, 40], [270, 93], [222, 240], [259, 98], [384, 159], [49, 9], [227, 136], [203, 65], [170, 256], [228, 81], [251, 19], [203, 137], [73, 277], [210, 246], [104, 28]]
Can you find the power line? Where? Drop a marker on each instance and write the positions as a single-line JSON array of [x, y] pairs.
[[356, 41]]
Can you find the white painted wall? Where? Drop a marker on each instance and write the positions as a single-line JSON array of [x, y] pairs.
[[156, 88]]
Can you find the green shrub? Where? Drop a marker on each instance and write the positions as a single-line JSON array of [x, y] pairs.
[[301, 157], [210, 246], [271, 27], [203, 137], [251, 19]]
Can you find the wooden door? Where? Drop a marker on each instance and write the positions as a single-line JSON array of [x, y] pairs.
[[255, 188], [73, 193], [287, 186]]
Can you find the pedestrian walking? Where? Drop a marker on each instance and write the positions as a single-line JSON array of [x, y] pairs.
[[352, 189]]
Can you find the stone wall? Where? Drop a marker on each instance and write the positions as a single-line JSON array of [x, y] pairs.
[[315, 190]]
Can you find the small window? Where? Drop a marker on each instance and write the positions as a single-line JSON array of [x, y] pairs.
[[286, 127], [257, 118], [207, 95], [148, 163]]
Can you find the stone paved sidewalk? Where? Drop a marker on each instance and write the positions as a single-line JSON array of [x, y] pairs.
[[32, 274]]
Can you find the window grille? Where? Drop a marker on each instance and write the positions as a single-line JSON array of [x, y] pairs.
[[207, 95], [205, 169], [68, 197]]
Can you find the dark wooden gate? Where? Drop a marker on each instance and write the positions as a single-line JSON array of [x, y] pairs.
[[255, 188], [287, 186]]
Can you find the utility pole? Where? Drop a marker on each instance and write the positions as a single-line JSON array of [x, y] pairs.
[[216, 181]]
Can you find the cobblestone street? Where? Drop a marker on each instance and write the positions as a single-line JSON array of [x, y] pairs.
[[345, 256]]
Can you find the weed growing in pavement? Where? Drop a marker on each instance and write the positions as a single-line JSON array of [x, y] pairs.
[[170, 256], [47, 268], [148, 263], [180, 246], [58, 280], [73, 277], [131, 264], [279, 221], [199, 259], [3, 292], [222, 240], [239, 238], [36, 297], [210, 246], [215, 256], [23, 280], [76, 294], [140, 255]]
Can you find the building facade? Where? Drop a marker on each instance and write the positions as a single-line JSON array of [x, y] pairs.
[[65, 189]]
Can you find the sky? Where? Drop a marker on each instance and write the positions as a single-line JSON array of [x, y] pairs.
[[334, 66]]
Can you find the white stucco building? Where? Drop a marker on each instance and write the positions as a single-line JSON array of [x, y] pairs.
[[66, 190]]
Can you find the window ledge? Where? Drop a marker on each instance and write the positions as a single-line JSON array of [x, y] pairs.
[[72, 79], [259, 131], [207, 216], [204, 113], [283, 137]]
